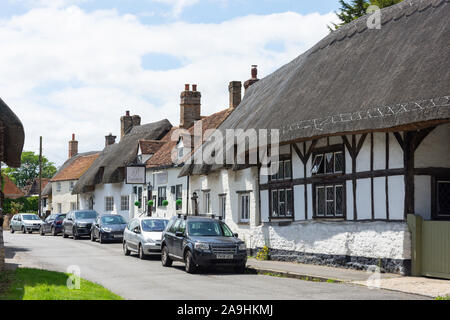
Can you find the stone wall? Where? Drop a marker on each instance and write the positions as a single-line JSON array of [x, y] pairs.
[[356, 245]]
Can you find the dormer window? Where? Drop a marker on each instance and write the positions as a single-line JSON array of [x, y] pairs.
[[180, 149], [328, 163]]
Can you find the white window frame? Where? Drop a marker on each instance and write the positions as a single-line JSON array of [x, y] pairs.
[[124, 203], [109, 203], [207, 202], [223, 205], [244, 211], [58, 187]]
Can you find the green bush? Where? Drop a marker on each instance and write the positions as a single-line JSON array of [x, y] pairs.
[[25, 205]]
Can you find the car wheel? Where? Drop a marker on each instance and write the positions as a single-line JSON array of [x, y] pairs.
[[125, 249], [41, 231], [64, 233], [74, 234], [11, 229], [142, 255], [54, 233], [165, 259], [240, 269], [100, 238], [23, 230], [190, 265], [92, 236]]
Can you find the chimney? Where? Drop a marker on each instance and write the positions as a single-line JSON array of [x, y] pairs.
[[235, 89], [126, 124], [254, 78], [190, 107], [73, 146], [136, 120], [110, 139]]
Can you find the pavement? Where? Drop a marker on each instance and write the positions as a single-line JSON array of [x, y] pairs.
[[137, 279], [414, 285]]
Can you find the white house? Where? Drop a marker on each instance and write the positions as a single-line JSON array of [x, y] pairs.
[[363, 119]]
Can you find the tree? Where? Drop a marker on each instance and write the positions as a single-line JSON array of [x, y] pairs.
[[357, 8], [29, 170]]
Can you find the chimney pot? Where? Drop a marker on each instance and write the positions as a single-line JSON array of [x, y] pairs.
[[194, 87], [186, 87], [73, 136], [109, 140], [235, 90], [127, 113], [254, 78], [73, 146], [190, 107], [254, 72]]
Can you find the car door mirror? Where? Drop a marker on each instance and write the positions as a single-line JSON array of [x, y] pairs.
[[236, 235], [179, 234], [137, 230]]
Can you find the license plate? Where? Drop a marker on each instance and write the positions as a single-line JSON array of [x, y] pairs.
[[118, 236], [224, 256]]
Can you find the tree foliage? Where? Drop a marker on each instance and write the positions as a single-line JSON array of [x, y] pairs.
[[21, 205], [29, 170], [354, 9]]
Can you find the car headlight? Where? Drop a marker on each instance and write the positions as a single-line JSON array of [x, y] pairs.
[[106, 229], [202, 246], [242, 247]]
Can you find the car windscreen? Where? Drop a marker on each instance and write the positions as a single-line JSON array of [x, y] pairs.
[[153, 225], [60, 217], [113, 220], [30, 217], [86, 215], [209, 229]]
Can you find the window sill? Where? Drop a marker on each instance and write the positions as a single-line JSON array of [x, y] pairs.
[[244, 223], [329, 219]]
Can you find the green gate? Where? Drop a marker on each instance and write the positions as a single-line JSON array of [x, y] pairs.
[[430, 253]]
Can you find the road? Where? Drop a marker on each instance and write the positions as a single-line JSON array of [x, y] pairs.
[[137, 279]]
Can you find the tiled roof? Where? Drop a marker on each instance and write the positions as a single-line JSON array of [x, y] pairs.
[[75, 167], [33, 188], [163, 157], [10, 190], [150, 146]]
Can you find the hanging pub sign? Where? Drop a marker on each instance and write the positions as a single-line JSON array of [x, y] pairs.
[[136, 175]]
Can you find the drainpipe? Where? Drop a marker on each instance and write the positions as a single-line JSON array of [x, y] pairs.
[[187, 196]]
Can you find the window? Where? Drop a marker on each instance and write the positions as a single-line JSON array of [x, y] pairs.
[[71, 185], [59, 206], [329, 201], [58, 187], [109, 203], [125, 203], [223, 205], [180, 150], [328, 162], [207, 202], [282, 203], [443, 199], [244, 208], [284, 170], [73, 206], [161, 196], [179, 196]]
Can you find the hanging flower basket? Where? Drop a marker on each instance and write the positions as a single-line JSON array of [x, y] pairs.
[[150, 203], [137, 204], [179, 202], [165, 203]]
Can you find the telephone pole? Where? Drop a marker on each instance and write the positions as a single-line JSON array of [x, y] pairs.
[[40, 177]]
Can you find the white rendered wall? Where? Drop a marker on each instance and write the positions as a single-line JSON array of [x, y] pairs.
[[115, 190], [64, 197]]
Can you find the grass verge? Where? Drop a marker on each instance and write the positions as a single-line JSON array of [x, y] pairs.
[[34, 284]]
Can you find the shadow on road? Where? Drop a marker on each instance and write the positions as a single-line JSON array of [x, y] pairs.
[[10, 252]]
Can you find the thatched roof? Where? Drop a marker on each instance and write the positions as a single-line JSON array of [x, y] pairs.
[[14, 136], [110, 165], [47, 191], [358, 79]]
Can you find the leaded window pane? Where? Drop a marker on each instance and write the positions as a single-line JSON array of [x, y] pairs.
[[329, 163], [443, 191], [320, 195], [275, 203], [281, 171], [287, 170], [282, 200], [289, 203], [317, 165], [338, 162], [330, 200], [339, 201]]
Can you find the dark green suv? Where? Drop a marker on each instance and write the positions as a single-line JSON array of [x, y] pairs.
[[202, 242]]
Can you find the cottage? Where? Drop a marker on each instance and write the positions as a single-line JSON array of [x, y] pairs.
[[364, 126], [61, 185], [9, 189], [103, 187], [169, 192], [12, 138]]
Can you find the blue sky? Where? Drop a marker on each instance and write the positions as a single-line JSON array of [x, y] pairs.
[[76, 66]]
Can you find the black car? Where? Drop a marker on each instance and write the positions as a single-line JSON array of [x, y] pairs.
[[79, 223], [202, 242], [53, 224], [108, 227]]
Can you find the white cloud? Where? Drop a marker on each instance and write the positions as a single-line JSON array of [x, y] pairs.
[[48, 3], [178, 5], [67, 71]]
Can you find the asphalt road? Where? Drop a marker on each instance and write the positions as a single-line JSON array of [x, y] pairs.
[[133, 278]]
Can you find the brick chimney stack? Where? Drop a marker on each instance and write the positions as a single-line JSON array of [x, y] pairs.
[[235, 89], [127, 122], [254, 78], [110, 139], [190, 106], [73, 146]]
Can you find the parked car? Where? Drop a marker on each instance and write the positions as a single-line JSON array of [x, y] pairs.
[[53, 224], [79, 223], [143, 236], [108, 227], [202, 242], [25, 222]]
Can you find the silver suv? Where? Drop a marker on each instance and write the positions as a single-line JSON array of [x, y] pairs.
[[25, 222], [143, 236]]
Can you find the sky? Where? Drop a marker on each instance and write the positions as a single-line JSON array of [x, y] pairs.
[[76, 66]]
